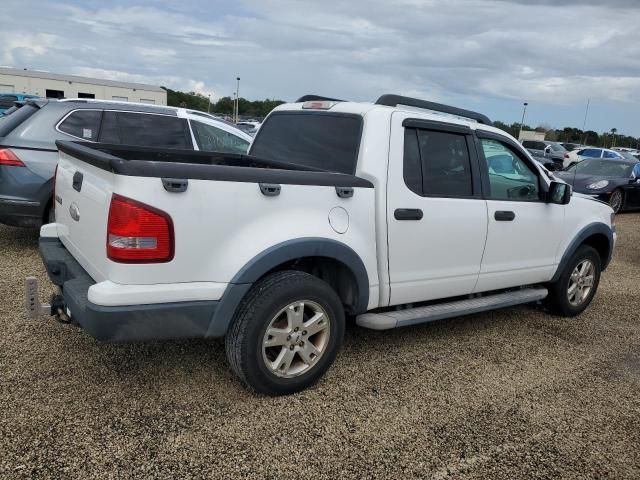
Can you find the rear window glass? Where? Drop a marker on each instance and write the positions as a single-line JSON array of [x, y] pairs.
[[9, 122], [145, 130], [327, 141], [83, 124]]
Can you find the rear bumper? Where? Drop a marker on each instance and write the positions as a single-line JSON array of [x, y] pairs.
[[20, 213], [122, 323]]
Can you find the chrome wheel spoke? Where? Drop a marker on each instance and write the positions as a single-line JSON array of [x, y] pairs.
[[295, 314], [581, 282], [316, 324], [276, 337], [588, 281], [309, 353], [283, 361]]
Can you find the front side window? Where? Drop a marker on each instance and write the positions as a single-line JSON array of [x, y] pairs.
[[214, 139], [510, 178], [636, 171], [608, 154], [83, 124], [437, 163]]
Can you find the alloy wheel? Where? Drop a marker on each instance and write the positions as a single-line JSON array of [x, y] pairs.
[[581, 282], [296, 338]]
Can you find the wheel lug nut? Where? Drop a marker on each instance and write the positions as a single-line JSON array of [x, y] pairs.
[[301, 344], [291, 347], [304, 332], [288, 337], [296, 329]]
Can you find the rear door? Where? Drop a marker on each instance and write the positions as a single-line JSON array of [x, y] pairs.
[[524, 232], [437, 219]]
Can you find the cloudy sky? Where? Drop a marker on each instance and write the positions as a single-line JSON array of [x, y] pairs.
[[490, 55]]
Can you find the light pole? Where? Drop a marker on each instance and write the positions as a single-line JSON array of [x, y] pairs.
[[524, 110], [233, 114], [237, 98], [584, 124], [209, 106]]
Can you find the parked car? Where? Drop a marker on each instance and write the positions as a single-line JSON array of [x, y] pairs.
[[7, 100], [385, 212], [615, 181], [599, 153], [545, 149], [250, 126], [28, 155]]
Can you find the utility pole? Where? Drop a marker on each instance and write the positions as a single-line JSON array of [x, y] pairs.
[[584, 124], [209, 106], [524, 111], [237, 99]]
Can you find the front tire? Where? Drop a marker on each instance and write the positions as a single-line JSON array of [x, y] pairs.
[[616, 200], [572, 293], [286, 333]]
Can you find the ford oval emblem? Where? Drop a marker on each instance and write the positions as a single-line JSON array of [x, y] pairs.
[[74, 211]]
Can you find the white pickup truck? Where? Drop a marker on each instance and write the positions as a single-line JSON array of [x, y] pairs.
[[391, 213]]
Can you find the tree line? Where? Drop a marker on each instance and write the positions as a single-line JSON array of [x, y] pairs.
[[260, 109], [223, 106], [576, 135]]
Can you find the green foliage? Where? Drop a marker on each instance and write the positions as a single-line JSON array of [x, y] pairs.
[[197, 101], [260, 109]]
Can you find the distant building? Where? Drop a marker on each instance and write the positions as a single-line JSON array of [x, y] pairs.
[[531, 135], [53, 85]]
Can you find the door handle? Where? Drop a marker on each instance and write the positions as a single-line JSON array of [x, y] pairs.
[[504, 216], [408, 214], [77, 181], [175, 185]]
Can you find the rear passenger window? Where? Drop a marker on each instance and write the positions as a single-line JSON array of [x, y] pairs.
[[145, 130], [83, 124], [444, 164]]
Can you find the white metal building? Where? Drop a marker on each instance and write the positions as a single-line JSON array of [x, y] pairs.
[[53, 85]]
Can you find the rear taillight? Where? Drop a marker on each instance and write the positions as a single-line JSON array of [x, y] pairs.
[[566, 155], [138, 233], [9, 159]]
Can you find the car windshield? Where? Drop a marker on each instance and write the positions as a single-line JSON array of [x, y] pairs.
[[604, 168]]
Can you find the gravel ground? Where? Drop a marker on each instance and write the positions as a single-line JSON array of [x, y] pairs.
[[503, 395]]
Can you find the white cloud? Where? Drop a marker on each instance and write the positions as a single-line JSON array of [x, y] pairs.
[[484, 51]]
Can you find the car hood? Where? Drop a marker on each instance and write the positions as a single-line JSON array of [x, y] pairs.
[[580, 182]]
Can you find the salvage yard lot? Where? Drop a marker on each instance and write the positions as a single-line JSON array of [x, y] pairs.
[[508, 394]]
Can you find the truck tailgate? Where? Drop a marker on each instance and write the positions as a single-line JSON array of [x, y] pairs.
[[82, 197]]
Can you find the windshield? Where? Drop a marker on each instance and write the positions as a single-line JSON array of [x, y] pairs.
[[604, 168], [627, 155], [556, 147], [328, 141]]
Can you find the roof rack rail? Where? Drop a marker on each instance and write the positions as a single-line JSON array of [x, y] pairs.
[[391, 100], [311, 98]]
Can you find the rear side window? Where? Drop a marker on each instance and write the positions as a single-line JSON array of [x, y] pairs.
[[591, 152], [83, 124], [10, 122], [145, 130], [442, 167], [327, 141], [611, 155]]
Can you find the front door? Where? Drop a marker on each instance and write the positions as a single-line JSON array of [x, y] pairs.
[[437, 219], [524, 232]]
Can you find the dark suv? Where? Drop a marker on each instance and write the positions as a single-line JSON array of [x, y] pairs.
[[28, 155]]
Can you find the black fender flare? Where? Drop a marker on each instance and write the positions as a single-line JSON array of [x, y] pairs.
[[281, 253], [581, 236]]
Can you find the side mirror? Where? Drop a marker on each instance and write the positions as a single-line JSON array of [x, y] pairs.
[[559, 193], [547, 149]]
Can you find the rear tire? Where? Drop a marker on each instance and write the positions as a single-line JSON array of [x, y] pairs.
[[286, 333], [572, 293]]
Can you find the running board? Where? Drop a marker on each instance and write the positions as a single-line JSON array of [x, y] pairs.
[[413, 316]]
